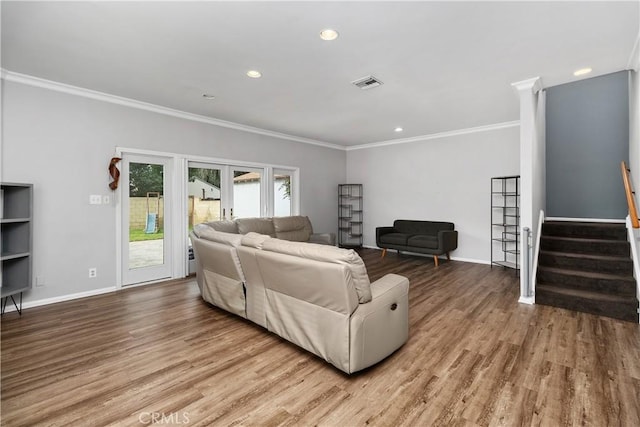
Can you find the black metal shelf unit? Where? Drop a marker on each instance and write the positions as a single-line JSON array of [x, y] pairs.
[[505, 221], [16, 213], [350, 215]]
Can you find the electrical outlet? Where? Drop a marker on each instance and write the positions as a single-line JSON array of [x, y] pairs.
[[93, 272], [40, 281], [95, 199]]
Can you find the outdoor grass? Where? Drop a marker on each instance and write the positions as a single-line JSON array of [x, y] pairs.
[[140, 235]]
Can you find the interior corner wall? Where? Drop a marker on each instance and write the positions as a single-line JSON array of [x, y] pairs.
[[587, 138], [445, 179], [62, 144]]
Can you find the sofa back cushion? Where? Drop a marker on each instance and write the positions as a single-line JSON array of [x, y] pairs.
[[257, 225], [224, 226], [331, 254], [429, 228], [293, 228], [205, 231]]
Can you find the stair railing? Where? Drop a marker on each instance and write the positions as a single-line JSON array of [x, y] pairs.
[[631, 201]]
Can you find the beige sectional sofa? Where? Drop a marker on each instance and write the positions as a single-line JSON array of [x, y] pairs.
[[316, 296]]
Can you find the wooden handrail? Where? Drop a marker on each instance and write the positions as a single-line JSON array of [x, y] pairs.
[[633, 212]]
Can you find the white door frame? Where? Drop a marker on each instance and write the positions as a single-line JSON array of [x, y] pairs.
[[175, 249]]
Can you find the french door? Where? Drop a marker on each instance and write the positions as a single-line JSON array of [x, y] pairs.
[[146, 193]]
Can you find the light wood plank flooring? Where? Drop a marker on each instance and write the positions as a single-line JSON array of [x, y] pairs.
[[474, 357]]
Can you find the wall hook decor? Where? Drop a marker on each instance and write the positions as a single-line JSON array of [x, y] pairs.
[[114, 172]]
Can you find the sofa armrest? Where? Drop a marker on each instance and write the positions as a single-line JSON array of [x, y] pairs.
[[447, 240], [323, 238], [381, 231], [381, 326]]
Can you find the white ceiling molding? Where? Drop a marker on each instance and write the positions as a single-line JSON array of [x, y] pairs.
[[11, 76], [448, 134], [534, 84]]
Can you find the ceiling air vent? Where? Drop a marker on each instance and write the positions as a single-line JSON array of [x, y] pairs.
[[367, 82]]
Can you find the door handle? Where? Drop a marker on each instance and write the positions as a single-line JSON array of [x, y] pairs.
[[224, 213]]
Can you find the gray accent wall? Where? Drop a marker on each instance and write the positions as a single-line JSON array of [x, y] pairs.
[[62, 143], [587, 138]]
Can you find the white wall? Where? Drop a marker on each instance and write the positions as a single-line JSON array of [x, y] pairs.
[[446, 179], [62, 143]]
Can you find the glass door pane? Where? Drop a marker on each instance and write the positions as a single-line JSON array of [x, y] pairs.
[[282, 201], [146, 219], [204, 194], [146, 215], [247, 192]]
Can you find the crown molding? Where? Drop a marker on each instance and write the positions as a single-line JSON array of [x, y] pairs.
[[534, 85], [25, 79], [440, 135]]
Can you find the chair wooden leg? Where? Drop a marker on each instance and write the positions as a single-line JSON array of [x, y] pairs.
[[448, 257], [435, 259], [384, 252]]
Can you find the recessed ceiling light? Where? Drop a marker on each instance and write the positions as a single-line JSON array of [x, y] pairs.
[[254, 74], [328, 34], [398, 129], [207, 96], [582, 72]]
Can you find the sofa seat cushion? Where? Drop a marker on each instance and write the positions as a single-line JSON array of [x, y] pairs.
[[423, 241], [395, 238], [257, 225], [347, 257]]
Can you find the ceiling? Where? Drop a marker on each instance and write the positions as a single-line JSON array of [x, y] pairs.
[[445, 66]]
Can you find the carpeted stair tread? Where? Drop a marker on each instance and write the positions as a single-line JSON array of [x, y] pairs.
[[582, 239], [585, 245], [588, 274], [616, 231], [590, 295], [614, 306], [588, 256]]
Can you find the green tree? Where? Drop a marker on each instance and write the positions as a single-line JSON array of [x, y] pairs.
[[212, 176], [145, 178], [286, 184]]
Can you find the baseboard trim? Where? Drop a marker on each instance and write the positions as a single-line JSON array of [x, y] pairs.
[[472, 260], [63, 298], [527, 300]]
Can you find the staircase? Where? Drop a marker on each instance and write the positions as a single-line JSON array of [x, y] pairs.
[[587, 267]]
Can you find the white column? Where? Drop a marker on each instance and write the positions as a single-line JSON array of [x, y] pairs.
[[530, 173]]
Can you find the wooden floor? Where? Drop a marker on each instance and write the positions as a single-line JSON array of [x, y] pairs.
[[474, 357]]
